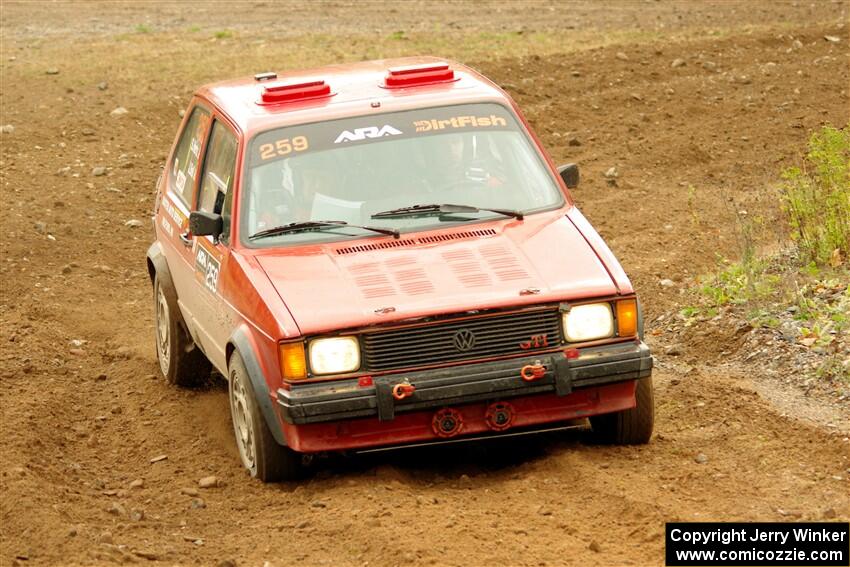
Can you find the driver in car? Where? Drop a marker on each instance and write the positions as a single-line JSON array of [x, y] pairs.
[[460, 164], [308, 179]]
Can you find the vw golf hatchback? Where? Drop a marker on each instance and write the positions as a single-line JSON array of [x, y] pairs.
[[382, 254]]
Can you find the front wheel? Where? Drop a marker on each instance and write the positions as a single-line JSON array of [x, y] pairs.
[[181, 362], [628, 427], [261, 454]]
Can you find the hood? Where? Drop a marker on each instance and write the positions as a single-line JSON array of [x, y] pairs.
[[495, 265]]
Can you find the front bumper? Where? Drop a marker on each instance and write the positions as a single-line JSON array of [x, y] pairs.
[[324, 402]]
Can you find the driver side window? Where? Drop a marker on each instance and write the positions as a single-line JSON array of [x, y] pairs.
[[216, 191]]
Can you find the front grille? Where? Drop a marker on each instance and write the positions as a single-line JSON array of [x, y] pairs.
[[482, 337]]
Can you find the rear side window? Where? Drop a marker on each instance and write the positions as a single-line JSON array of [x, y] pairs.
[[184, 167], [217, 180]]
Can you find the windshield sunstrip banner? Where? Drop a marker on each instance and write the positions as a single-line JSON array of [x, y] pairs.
[[321, 136]]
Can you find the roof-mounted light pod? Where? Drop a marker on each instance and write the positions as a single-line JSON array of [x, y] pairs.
[[418, 75], [278, 93]]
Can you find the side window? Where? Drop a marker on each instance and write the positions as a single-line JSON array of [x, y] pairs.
[[217, 180], [184, 167]]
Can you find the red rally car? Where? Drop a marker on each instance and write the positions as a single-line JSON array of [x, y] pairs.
[[382, 254]]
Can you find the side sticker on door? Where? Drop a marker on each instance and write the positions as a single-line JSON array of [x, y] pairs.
[[206, 268], [171, 214]]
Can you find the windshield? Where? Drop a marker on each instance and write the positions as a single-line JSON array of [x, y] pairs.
[[351, 169]]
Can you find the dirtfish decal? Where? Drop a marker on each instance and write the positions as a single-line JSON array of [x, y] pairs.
[[459, 122]]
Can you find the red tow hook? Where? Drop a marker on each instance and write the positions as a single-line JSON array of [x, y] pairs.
[[403, 390], [532, 372]]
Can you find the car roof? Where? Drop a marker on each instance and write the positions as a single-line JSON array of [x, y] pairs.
[[356, 89]]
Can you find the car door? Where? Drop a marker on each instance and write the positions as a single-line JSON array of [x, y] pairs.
[[211, 312], [180, 183]]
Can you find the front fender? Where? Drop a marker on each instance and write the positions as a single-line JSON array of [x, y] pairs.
[[157, 265], [243, 342], [158, 268]]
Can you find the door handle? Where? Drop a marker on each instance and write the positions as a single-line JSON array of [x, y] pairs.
[[186, 238]]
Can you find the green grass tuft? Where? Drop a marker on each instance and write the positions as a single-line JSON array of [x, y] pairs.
[[816, 198], [802, 291]]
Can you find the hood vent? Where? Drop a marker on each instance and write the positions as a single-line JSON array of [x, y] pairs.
[[503, 262], [456, 236], [417, 241], [385, 279], [376, 246]]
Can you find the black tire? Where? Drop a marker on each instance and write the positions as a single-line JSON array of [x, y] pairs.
[[628, 427], [180, 361], [261, 454]]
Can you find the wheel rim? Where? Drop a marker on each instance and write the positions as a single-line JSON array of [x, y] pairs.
[[163, 342], [240, 408]]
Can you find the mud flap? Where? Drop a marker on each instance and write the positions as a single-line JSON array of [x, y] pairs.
[[245, 349], [160, 270]]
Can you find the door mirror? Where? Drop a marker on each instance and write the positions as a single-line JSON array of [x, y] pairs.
[[205, 224], [569, 173]]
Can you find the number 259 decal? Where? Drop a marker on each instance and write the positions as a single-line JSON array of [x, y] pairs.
[[207, 267], [283, 146]]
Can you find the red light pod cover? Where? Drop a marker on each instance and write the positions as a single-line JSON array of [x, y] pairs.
[[294, 91], [414, 75]]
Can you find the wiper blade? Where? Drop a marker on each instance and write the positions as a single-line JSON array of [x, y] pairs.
[[318, 225], [444, 208]]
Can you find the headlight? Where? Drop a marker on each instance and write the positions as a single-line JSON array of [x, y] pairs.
[[335, 355], [588, 322]]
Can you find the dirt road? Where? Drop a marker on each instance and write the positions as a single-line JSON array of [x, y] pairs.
[[695, 106]]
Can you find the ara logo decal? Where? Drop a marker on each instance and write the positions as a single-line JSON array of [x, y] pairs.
[[359, 134]]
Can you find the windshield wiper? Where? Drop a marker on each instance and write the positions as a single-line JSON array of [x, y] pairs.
[[442, 209], [318, 225]]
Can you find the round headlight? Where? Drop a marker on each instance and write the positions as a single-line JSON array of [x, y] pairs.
[[588, 322], [334, 355]]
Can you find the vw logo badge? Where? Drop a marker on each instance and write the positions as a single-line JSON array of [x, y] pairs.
[[464, 340]]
